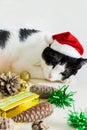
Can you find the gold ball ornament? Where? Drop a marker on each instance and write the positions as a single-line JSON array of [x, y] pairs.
[[24, 75]]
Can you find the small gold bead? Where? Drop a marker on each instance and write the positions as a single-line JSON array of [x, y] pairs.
[[25, 76]]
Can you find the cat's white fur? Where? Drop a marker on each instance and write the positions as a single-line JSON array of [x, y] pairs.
[[18, 57]]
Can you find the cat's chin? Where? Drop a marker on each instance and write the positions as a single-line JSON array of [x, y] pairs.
[[59, 81], [66, 81]]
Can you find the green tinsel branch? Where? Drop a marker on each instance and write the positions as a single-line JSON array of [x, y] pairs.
[[77, 120], [61, 98]]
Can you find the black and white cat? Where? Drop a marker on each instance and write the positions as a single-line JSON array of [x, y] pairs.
[[30, 50]]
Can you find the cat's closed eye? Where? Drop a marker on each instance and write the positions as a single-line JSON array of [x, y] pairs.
[[53, 66], [64, 75]]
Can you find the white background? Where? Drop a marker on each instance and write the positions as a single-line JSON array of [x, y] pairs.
[[54, 16]]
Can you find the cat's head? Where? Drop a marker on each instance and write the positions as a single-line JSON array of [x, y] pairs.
[[59, 67]]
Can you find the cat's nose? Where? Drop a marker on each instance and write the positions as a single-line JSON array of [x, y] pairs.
[[49, 76]]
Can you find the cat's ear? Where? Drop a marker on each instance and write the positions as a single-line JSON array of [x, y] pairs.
[[81, 62]]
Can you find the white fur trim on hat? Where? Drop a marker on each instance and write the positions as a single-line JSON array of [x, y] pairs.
[[48, 38], [65, 49]]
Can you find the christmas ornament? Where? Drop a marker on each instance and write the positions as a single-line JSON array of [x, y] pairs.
[[42, 90], [77, 120], [24, 75], [35, 113], [39, 125], [6, 124], [61, 98], [9, 83]]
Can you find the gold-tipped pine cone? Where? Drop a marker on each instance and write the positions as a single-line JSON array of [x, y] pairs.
[[9, 83], [6, 124], [39, 125]]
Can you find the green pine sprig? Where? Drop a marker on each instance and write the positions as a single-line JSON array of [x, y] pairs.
[[61, 98], [77, 120]]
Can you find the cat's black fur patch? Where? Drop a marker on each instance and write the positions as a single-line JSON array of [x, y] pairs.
[[24, 33], [72, 65], [4, 35]]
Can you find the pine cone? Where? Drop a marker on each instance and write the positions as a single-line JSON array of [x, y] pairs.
[[39, 125], [35, 113], [42, 90], [9, 83], [6, 124]]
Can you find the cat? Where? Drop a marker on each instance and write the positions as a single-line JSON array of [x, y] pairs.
[[28, 50]]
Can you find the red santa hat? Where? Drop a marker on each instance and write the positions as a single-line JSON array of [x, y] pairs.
[[67, 44]]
